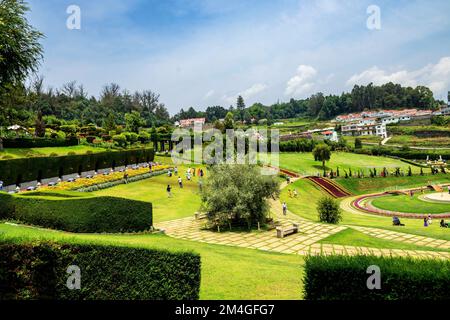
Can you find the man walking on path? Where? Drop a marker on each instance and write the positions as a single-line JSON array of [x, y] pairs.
[[180, 182], [284, 208], [169, 193]]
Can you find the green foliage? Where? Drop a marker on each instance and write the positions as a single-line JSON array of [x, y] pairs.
[[298, 145], [133, 121], [30, 169], [345, 278], [238, 194], [20, 50], [78, 212], [38, 271], [322, 153], [329, 210], [358, 143], [229, 122]]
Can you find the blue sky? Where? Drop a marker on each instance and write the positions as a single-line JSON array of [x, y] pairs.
[[207, 52]]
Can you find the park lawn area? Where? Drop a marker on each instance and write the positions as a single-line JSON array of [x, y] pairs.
[[15, 153], [304, 163], [378, 184], [357, 238], [184, 203], [404, 203], [305, 206], [413, 141], [227, 272]]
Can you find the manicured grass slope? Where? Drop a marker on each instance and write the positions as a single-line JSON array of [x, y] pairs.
[[304, 163], [305, 206], [184, 203], [226, 272], [404, 203], [372, 185]]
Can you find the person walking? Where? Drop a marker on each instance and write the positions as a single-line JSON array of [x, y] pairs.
[[425, 222], [180, 182], [284, 208], [175, 170], [169, 191], [125, 178]]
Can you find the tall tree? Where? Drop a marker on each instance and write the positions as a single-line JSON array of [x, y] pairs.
[[20, 50], [240, 105]]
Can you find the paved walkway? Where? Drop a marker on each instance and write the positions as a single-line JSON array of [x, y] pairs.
[[306, 242]]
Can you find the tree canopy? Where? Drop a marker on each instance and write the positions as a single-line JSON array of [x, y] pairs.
[[238, 194]]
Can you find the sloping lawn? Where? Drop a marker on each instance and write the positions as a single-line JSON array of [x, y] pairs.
[[404, 203], [372, 185], [184, 203], [304, 163], [227, 272], [41, 152]]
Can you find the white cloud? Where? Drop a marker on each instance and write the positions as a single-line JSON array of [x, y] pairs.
[[209, 94], [301, 83], [248, 93], [435, 76]]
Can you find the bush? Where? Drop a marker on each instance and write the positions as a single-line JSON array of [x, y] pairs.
[[38, 271], [329, 210], [90, 139], [16, 171], [120, 140], [77, 212], [345, 278]]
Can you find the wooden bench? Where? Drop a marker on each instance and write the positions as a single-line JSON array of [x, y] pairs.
[[200, 216], [283, 232]]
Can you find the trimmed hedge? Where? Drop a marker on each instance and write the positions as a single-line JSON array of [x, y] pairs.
[[39, 142], [16, 171], [412, 154], [38, 271], [77, 212], [345, 278]]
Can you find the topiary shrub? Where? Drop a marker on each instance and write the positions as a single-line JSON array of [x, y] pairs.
[[345, 278], [329, 210], [39, 271], [77, 212]]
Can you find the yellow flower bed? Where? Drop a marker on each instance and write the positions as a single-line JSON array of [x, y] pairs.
[[100, 178]]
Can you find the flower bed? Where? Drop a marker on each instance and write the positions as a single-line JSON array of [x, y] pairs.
[[101, 181], [364, 204]]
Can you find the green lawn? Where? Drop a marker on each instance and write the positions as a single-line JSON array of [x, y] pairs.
[[184, 203], [40, 152], [357, 238], [304, 163], [227, 272], [305, 206], [404, 203], [367, 185]]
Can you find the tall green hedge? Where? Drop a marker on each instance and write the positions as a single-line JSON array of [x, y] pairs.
[[16, 171], [345, 278], [39, 142], [77, 212], [39, 271]]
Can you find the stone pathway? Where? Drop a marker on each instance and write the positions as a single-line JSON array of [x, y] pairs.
[[303, 243]]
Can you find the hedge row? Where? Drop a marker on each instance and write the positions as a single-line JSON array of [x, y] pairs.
[[345, 278], [39, 142], [75, 212], [412, 154], [16, 171], [39, 271]]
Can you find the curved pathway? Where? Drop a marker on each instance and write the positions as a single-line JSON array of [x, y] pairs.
[[306, 242]]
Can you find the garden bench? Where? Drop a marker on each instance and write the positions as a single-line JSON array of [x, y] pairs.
[[200, 216], [282, 232]]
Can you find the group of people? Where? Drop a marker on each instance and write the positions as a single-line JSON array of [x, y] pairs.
[[293, 193], [190, 172]]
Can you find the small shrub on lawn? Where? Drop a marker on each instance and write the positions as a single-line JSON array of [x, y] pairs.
[[329, 210]]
